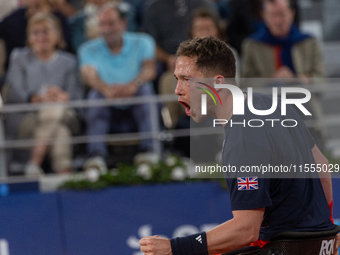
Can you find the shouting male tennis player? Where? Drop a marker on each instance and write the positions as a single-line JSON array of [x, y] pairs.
[[274, 205]]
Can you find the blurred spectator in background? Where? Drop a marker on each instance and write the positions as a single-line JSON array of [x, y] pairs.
[[40, 73], [279, 49], [13, 27], [7, 6], [116, 65], [64, 7], [168, 21], [206, 23], [84, 25], [244, 20], [224, 9]]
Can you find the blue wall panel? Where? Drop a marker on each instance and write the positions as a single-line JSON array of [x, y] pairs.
[[30, 224]]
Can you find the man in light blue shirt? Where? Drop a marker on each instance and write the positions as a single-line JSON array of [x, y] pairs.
[[118, 64]]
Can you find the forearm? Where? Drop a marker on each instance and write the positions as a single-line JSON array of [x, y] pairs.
[[229, 236], [242, 230], [326, 182], [325, 177], [148, 71], [92, 79]]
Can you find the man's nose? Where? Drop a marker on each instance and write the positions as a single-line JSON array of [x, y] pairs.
[[178, 90]]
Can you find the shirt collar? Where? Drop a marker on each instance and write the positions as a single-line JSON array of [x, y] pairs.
[[125, 48]]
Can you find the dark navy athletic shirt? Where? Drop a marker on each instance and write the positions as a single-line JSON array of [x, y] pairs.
[[291, 204]]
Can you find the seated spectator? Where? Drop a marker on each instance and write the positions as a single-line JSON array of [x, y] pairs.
[[7, 6], [280, 50], [13, 27], [40, 73], [116, 65], [168, 21], [84, 25], [245, 19], [205, 23]]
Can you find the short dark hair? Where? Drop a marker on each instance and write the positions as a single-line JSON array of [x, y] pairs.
[[291, 3], [212, 56], [206, 13]]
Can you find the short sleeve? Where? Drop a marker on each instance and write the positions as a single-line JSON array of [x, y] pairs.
[[311, 140], [305, 137], [249, 199], [248, 190], [85, 56], [148, 48]]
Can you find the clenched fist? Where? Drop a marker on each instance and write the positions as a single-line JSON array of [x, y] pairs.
[[155, 245]]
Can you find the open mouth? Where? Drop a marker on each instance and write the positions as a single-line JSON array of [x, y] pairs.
[[187, 107]]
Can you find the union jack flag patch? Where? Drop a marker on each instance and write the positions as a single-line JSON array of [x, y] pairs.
[[247, 183]]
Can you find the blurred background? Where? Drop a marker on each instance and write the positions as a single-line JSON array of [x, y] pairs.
[[95, 148]]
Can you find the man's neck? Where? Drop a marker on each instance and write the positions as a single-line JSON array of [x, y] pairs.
[[226, 111], [116, 46]]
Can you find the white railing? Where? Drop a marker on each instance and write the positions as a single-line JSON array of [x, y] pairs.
[[156, 133]]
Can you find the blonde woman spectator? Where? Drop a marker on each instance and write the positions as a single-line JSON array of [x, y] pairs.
[[13, 27], [40, 73]]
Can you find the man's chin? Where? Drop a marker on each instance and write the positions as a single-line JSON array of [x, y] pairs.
[[198, 118]]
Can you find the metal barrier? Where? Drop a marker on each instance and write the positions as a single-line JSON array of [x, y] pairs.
[[156, 134]]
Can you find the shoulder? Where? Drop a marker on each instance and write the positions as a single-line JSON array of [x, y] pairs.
[[138, 36], [252, 48], [141, 38], [308, 48], [19, 12], [67, 58], [16, 15], [309, 41], [92, 45], [21, 54], [248, 42]]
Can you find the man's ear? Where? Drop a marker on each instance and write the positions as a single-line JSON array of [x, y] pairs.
[[219, 79]]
